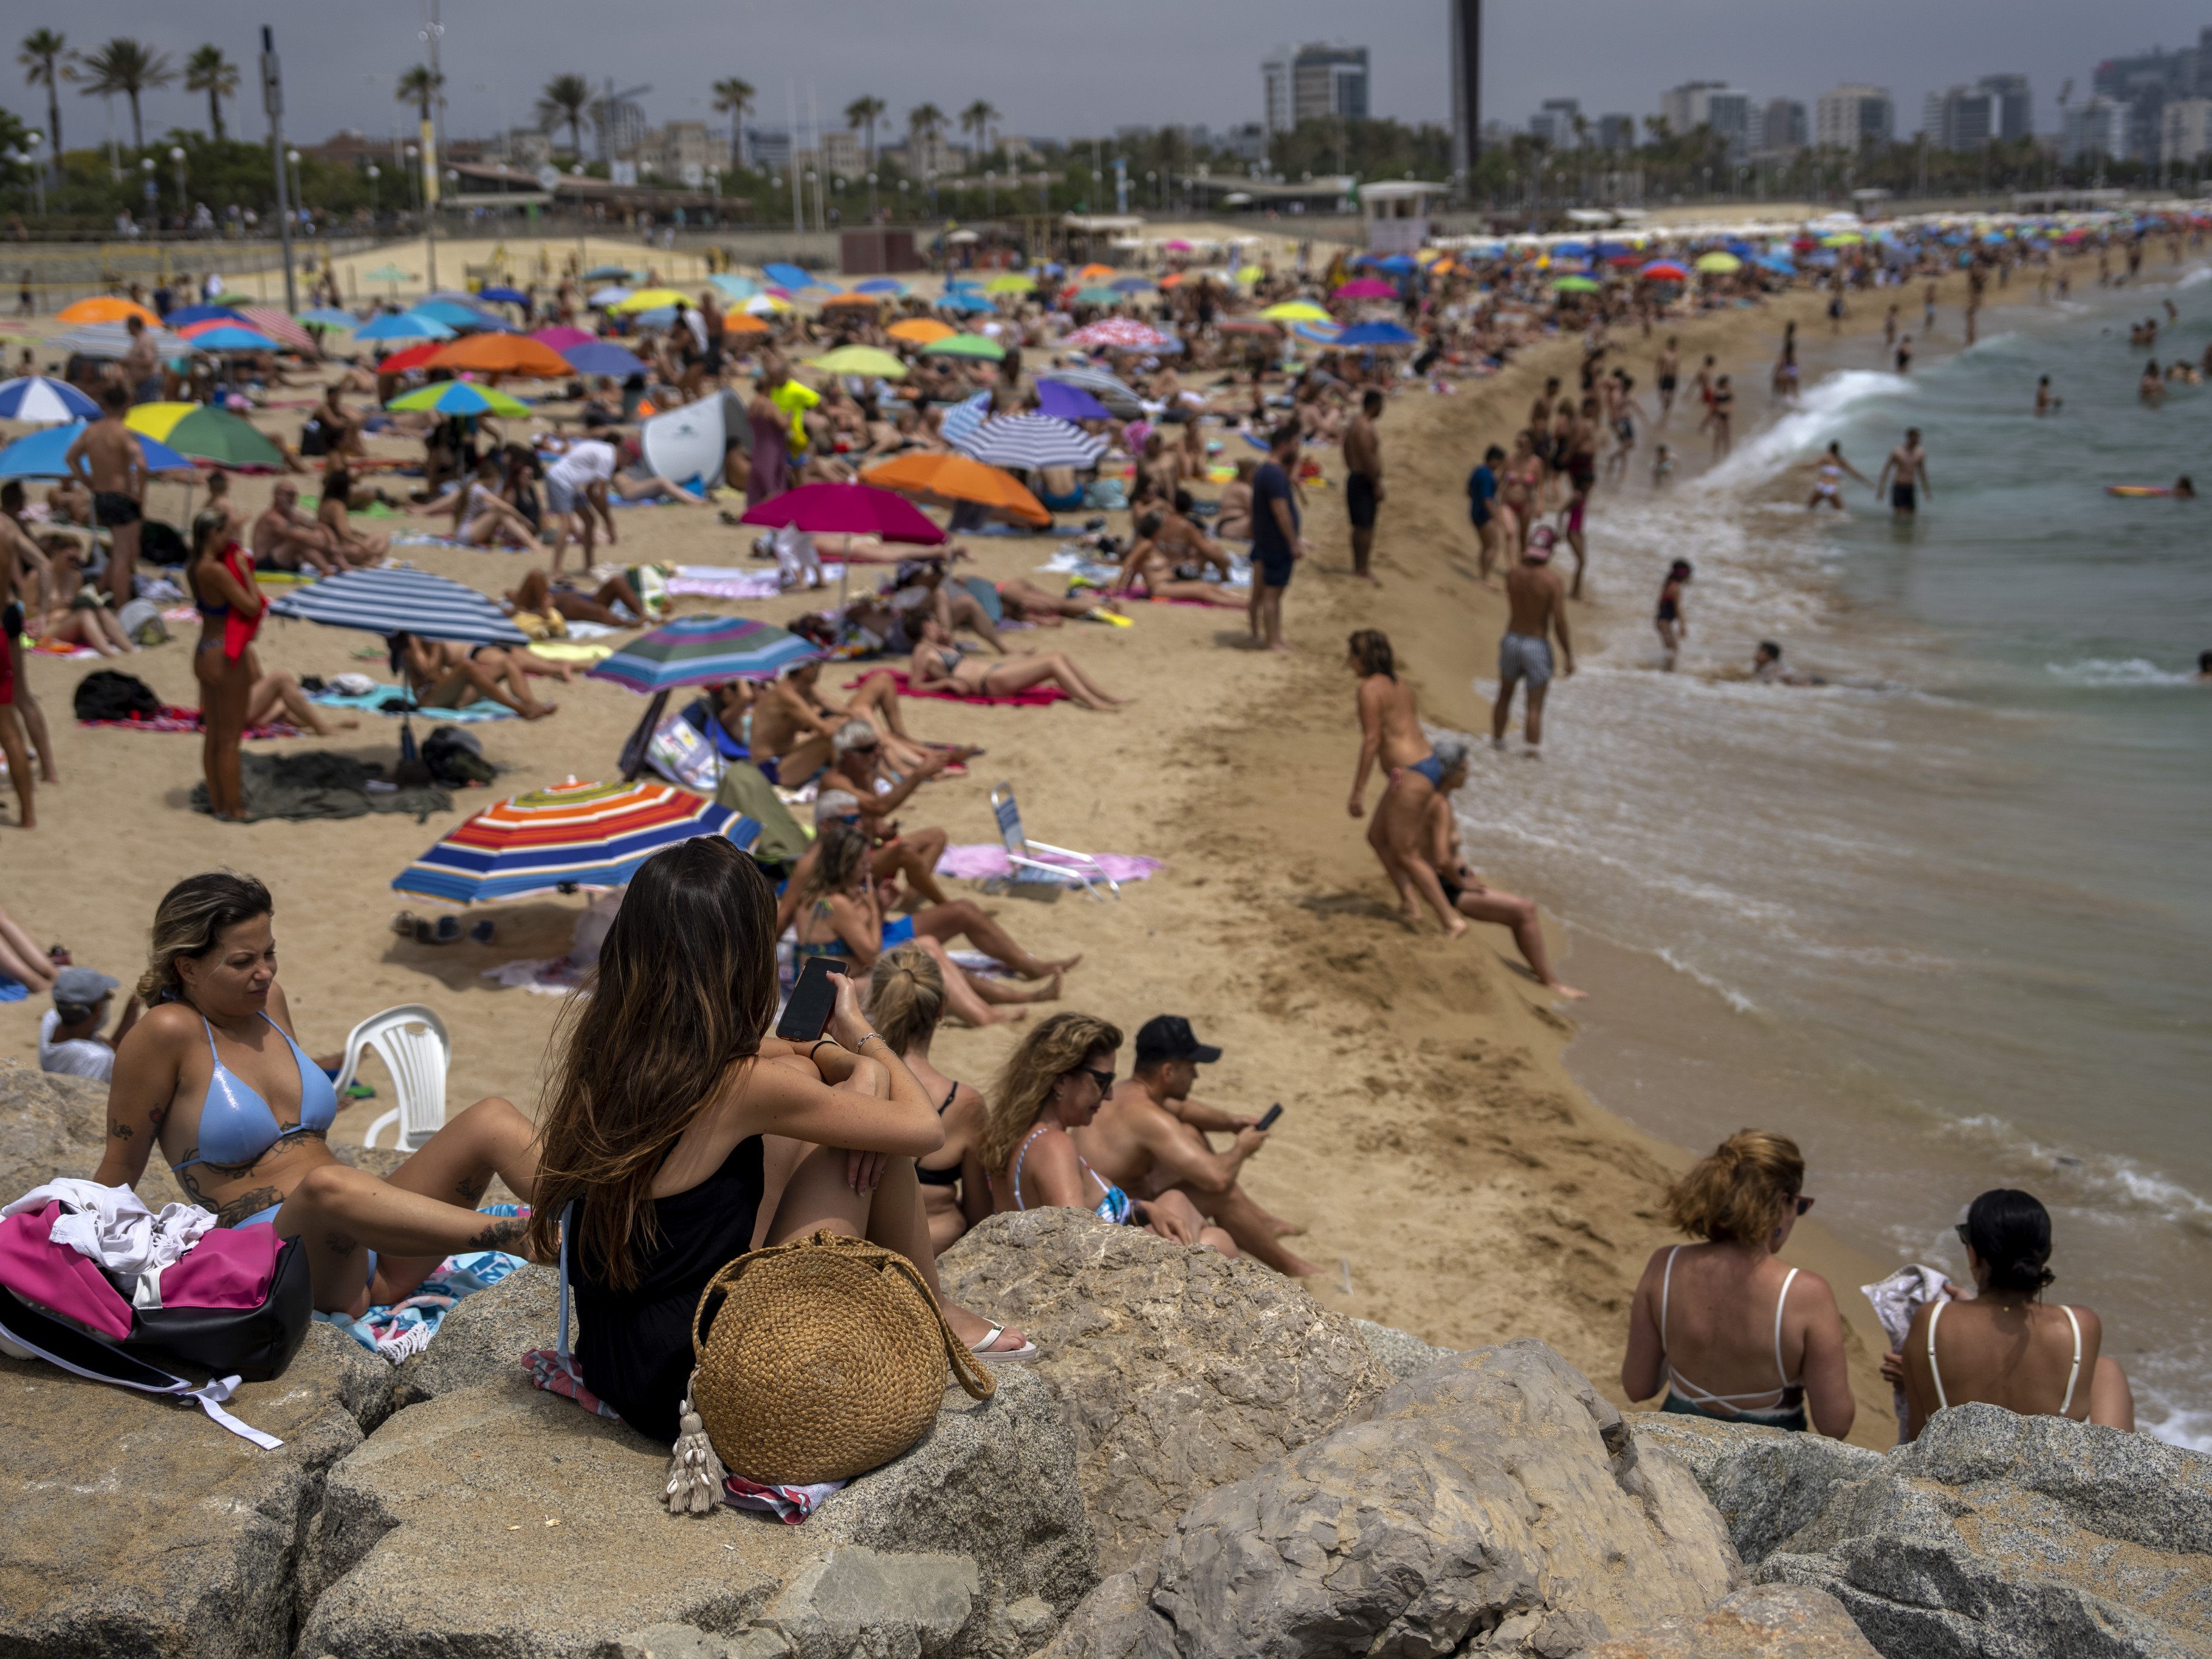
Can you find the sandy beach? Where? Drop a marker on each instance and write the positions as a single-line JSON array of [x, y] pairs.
[[1451, 1176]]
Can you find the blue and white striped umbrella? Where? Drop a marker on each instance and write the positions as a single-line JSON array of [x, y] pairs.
[[1026, 442], [113, 341], [961, 422], [401, 602], [37, 401]]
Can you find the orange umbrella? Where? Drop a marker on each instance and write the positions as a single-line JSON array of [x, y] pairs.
[[1095, 274], [737, 322], [504, 354], [956, 478], [921, 330], [853, 300], [105, 308]]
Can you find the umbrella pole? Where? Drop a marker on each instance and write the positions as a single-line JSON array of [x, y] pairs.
[[633, 749]]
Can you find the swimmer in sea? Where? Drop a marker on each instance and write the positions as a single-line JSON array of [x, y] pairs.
[[1672, 624], [1669, 365], [1662, 467], [1905, 355], [2047, 402], [1908, 462], [1828, 478], [2152, 387], [1766, 668], [2204, 667], [2185, 488]]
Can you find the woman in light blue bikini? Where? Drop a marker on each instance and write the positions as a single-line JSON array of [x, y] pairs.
[[1052, 1083], [1723, 1327], [214, 1076]]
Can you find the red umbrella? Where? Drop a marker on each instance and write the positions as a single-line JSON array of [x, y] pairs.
[[1664, 270], [846, 509], [414, 357]]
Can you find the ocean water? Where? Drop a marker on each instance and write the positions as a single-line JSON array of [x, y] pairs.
[[1948, 918]]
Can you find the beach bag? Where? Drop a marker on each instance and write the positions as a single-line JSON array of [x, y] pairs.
[[141, 621], [456, 759], [826, 1359], [1107, 494], [108, 694], [234, 1307], [681, 752]]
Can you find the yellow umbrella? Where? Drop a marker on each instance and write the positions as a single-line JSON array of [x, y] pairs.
[[651, 299], [1011, 282], [1250, 274], [921, 330], [1296, 311], [1719, 263], [1843, 238], [761, 304]]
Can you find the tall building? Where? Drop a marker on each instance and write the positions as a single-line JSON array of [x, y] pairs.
[[1466, 84], [1554, 123], [1959, 119], [1783, 129], [1854, 115], [1616, 133], [768, 149], [2013, 118], [1315, 83], [2147, 81], [1722, 109], [2101, 128], [2185, 131]]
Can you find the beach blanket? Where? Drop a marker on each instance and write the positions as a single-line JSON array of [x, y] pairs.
[[484, 708], [394, 1330], [983, 863], [571, 650], [1036, 697], [319, 784], [176, 717], [552, 977], [715, 581], [13, 990]]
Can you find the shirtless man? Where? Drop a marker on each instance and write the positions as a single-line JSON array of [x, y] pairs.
[[1906, 473], [1184, 541], [1363, 480], [284, 538], [1668, 367], [1149, 1137], [1390, 733], [1537, 609], [793, 725], [142, 364], [107, 458]]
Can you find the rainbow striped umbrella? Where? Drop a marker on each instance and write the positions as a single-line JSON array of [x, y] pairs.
[[571, 835], [704, 650]]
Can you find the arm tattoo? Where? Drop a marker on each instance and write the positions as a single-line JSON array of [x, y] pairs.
[[473, 1187], [502, 1233], [120, 1131], [247, 1204]]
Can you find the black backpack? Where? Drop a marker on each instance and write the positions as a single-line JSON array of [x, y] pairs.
[[106, 694], [456, 759]]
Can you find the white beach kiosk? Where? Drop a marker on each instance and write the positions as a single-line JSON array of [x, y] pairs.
[[1397, 212]]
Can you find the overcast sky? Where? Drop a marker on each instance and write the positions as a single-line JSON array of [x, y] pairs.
[[1057, 68]]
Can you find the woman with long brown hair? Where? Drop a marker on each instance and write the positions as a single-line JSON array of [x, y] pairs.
[[1053, 1082], [684, 1134]]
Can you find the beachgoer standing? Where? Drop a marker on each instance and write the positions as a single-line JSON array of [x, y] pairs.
[[1538, 607], [574, 484], [1671, 622], [1363, 481], [1390, 734], [1668, 366], [1481, 491], [107, 458], [771, 473], [142, 364], [1906, 472], [1276, 545]]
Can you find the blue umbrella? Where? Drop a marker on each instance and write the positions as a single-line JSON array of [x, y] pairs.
[[37, 401], [329, 317], [44, 454], [737, 287], [392, 601], [233, 337], [184, 316], [605, 273], [784, 276], [659, 317], [1376, 334], [705, 650], [1069, 403], [1559, 250], [880, 285], [1130, 284], [1402, 263], [1781, 262], [408, 326], [966, 303], [455, 315], [604, 357], [506, 297]]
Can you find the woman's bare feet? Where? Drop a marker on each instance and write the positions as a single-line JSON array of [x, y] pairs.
[[1048, 991], [1052, 969], [1567, 991], [538, 711]]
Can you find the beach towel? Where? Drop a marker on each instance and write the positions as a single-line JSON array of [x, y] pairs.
[[393, 1330], [319, 784], [714, 581], [374, 702], [1036, 697], [175, 717], [1897, 1301], [985, 863], [571, 650]]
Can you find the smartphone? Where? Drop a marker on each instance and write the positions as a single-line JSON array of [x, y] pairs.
[[811, 1000], [1273, 1112]]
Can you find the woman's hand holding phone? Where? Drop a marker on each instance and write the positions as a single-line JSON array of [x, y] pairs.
[[848, 1026]]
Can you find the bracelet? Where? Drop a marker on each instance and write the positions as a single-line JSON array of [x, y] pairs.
[[817, 1048], [877, 1036]]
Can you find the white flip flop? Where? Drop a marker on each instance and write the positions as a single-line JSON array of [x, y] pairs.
[[983, 1350]]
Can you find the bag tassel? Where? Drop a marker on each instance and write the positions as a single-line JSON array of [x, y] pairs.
[[695, 1474]]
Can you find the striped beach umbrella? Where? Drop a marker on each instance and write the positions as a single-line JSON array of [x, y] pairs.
[[590, 835], [1028, 442], [278, 327], [704, 650], [388, 601], [113, 341], [37, 401], [960, 423]]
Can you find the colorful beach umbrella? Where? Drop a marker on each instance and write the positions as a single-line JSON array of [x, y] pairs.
[[206, 434], [562, 337], [184, 316], [880, 285], [649, 299], [766, 304], [113, 341], [1011, 281], [1119, 397], [1719, 264], [505, 296], [1070, 403], [737, 288], [958, 425], [457, 315], [787, 275], [37, 401], [846, 509], [921, 330], [588, 835], [329, 317], [1574, 285], [1130, 284], [1121, 334], [389, 600], [278, 326], [105, 308], [705, 651], [503, 354], [607, 298], [227, 337], [1664, 270], [460, 398], [44, 454], [603, 357], [388, 273], [1096, 296], [608, 274], [1028, 442], [966, 303], [861, 359], [418, 356], [956, 478], [1365, 287], [405, 326], [1381, 334], [1297, 310], [965, 345]]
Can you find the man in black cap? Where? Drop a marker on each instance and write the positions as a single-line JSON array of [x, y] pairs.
[[1150, 1138], [70, 1039]]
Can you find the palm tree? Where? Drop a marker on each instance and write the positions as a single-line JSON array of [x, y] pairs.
[[47, 62], [130, 67], [733, 98], [864, 113], [419, 86], [562, 103], [977, 119], [924, 122], [209, 71]]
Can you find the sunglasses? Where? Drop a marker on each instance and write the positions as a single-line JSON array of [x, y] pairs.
[[1803, 1205], [1103, 1079]]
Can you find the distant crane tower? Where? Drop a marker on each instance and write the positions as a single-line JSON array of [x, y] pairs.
[[1466, 90], [608, 106]]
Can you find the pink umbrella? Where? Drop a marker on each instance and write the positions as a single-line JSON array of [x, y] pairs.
[[1177, 246], [278, 327], [1120, 334], [560, 339], [846, 509], [1365, 287]]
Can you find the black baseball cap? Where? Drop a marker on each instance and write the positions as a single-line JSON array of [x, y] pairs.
[[1169, 1037]]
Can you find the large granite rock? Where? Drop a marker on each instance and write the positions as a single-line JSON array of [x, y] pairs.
[[1493, 1505], [1767, 1621], [1180, 1371], [53, 1125], [1401, 1352], [483, 1338], [1766, 1483], [540, 1527], [137, 1526], [1997, 1535]]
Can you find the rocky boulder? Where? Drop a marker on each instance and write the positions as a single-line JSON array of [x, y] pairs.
[[1180, 1371], [1998, 1535], [483, 1338], [138, 1526], [53, 1125], [1492, 1504], [1401, 1352], [1767, 1621], [1766, 1483]]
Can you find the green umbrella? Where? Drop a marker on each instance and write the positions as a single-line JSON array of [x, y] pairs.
[[391, 274], [966, 345], [1574, 285], [207, 433], [861, 359], [460, 398]]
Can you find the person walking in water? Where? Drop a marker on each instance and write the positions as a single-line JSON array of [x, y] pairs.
[[1671, 622], [1905, 474], [1538, 607], [1828, 479]]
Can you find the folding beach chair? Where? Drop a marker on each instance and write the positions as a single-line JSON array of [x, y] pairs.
[[1034, 861]]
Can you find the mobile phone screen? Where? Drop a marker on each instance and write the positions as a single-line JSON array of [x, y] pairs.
[[811, 1000], [1273, 1113]]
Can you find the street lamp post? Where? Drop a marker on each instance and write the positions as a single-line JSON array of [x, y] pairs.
[[153, 196], [299, 200], [272, 99], [374, 174], [872, 199], [34, 138], [990, 193], [184, 208]]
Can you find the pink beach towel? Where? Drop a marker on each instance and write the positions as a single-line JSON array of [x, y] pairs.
[[177, 717], [1036, 697]]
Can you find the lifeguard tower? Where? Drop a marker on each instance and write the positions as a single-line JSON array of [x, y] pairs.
[[1397, 214]]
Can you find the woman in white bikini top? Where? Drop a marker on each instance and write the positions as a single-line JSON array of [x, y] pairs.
[[2006, 1347]]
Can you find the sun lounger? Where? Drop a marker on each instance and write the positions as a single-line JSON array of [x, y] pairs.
[[1037, 861]]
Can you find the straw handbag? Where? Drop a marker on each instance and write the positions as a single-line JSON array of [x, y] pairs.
[[826, 1359]]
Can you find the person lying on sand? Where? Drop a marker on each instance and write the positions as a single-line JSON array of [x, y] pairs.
[[1466, 889], [445, 675], [921, 587], [214, 1076], [938, 665], [1054, 1081], [541, 592], [1147, 572], [1149, 1137], [1022, 600]]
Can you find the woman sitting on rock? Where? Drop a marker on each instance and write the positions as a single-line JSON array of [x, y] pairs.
[[687, 1135], [214, 1075], [2004, 1345], [906, 999], [1052, 1083], [1723, 1327]]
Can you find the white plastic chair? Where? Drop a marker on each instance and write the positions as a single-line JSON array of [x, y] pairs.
[[412, 1043], [1058, 866]]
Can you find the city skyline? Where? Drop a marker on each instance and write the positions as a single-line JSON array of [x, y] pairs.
[[343, 64]]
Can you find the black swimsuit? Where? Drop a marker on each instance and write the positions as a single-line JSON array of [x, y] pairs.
[[929, 1177]]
